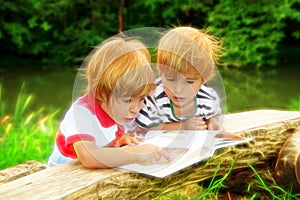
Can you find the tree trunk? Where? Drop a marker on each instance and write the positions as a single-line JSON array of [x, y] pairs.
[[120, 15]]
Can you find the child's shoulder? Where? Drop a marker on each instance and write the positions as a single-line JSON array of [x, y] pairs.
[[207, 91], [158, 81], [83, 104]]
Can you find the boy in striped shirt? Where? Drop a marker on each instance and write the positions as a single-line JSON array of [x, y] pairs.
[[185, 60]]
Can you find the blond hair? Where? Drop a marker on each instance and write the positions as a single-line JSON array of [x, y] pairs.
[[120, 67], [183, 48]]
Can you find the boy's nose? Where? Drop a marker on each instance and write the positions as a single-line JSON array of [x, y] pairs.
[[178, 88], [135, 108]]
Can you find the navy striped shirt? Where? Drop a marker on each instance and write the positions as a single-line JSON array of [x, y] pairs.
[[158, 109]]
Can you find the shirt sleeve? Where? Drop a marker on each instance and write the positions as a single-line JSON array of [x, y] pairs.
[[216, 106], [149, 114], [65, 145], [77, 125]]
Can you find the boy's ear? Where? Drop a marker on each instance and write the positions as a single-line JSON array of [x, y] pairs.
[[104, 100]]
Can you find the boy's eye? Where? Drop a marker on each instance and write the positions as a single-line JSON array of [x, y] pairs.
[[170, 79], [190, 82], [126, 100]]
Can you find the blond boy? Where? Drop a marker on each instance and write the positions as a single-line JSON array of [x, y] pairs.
[[186, 59], [119, 77]]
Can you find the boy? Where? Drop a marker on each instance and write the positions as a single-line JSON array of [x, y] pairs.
[[118, 76], [185, 60]]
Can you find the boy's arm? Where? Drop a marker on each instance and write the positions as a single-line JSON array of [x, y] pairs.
[[125, 139], [91, 156]]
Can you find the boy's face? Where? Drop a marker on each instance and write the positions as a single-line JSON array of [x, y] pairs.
[[123, 109], [181, 88]]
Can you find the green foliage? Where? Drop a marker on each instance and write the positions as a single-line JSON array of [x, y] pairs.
[[273, 191], [56, 31], [216, 183], [13, 25], [295, 104], [167, 13], [251, 31], [65, 31], [78, 27], [25, 135]]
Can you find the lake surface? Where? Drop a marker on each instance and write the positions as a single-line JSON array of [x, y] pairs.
[[245, 89]]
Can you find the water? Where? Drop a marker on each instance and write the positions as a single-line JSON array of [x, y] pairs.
[[265, 89], [245, 89], [51, 89]]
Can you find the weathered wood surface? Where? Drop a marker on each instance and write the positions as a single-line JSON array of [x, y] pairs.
[[287, 168], [21, 170], [269, 129]]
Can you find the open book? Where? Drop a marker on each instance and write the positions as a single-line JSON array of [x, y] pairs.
[[185, 147]]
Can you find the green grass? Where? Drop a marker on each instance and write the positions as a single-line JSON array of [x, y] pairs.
[[25, 135], [295, 104], [258, 189], [274, 192]]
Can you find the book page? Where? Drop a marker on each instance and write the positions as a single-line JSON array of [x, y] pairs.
[[184, 147], [226, 139], [226, 142], [213, 140]]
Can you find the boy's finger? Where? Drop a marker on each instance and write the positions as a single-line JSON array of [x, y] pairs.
[[134, 140], [164, 154], [201, 122], [127, 141], [202, 128], [225, 134], [117, 144], [140, 139]]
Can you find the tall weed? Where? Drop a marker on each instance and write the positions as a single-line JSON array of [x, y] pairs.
[[24, 134], [273, 191], [294, 104]]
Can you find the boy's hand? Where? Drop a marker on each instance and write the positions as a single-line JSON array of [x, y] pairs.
[[126, 140], [148, 154], [213, 123], [194, 123]]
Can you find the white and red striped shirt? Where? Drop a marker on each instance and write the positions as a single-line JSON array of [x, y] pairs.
[[84, 121]]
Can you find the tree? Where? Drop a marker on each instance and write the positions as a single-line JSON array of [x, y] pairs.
[[252, 30], [65, 31]]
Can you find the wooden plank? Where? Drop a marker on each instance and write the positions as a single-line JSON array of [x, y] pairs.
[[13, 173], [55, 183], [71, 181], [242, 121]]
